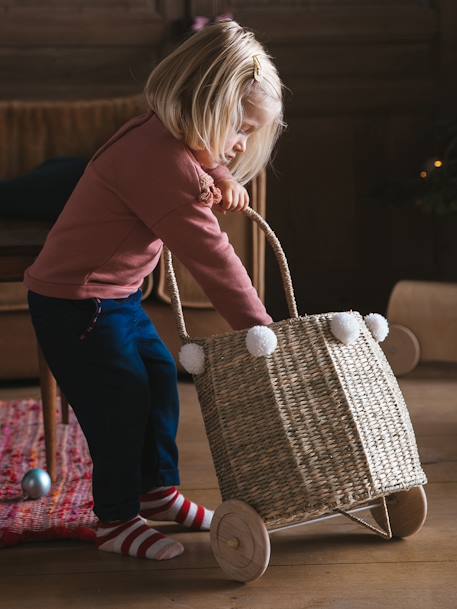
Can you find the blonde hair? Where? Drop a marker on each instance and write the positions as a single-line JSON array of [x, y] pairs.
[[199, 92]]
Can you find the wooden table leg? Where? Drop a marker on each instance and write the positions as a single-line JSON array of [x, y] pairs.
[[49, 402], [63, 407]]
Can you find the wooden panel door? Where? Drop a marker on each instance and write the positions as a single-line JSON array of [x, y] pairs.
[[365, 79], [70, 49]]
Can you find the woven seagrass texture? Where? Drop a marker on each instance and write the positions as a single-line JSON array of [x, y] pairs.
[[313, 427], [379, 410]]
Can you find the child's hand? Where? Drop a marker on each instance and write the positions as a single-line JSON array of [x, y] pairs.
[[234, 196]]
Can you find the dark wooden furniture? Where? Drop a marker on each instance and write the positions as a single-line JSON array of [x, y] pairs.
[[20, 243]]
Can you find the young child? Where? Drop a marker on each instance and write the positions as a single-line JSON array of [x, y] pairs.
[[215, 113]]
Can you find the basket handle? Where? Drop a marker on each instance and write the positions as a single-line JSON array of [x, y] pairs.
[[279, 253]]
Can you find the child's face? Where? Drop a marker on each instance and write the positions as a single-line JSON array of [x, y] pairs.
[[257, 115]]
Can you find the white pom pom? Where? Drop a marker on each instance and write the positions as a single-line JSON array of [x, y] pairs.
[[378, 326], [261, 341], [192, 358], [345, 327]]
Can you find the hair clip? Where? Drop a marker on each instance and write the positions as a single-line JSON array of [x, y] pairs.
[[257, 68]]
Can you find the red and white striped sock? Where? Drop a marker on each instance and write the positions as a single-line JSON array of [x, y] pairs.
[[167, 503], [136, 538]]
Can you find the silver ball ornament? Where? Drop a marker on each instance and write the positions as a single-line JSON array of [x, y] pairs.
[[36, 483]]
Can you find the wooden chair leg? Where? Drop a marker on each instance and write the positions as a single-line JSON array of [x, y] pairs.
[[63, 407], [49, 402]]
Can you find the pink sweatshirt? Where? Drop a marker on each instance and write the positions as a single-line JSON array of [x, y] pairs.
[[141, 189]]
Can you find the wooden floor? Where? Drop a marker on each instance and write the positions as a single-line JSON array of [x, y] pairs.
[[331, 565]]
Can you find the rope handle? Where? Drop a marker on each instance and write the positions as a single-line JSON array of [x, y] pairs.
[[280, 256]]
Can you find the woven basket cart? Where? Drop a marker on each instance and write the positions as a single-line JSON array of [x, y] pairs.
[[300, 425]]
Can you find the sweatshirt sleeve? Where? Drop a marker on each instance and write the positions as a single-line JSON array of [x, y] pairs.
[[158, 182], [193, 235], [220, 172]]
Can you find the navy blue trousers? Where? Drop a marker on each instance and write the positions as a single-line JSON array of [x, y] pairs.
[[121, 381]]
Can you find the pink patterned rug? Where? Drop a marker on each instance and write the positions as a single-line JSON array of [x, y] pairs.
[[67, 511]]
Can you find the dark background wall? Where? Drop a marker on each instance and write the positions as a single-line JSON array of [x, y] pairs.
[[367, 78]]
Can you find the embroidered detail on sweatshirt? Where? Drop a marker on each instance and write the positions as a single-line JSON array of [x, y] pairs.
[[209, 193]]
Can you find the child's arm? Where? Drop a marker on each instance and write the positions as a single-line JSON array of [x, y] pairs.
[[193, 234], [219, 172], [163, 189], [234, 196]]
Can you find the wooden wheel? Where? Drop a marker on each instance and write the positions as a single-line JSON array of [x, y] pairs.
[[240, 541], [401, 349], [407, 512]]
